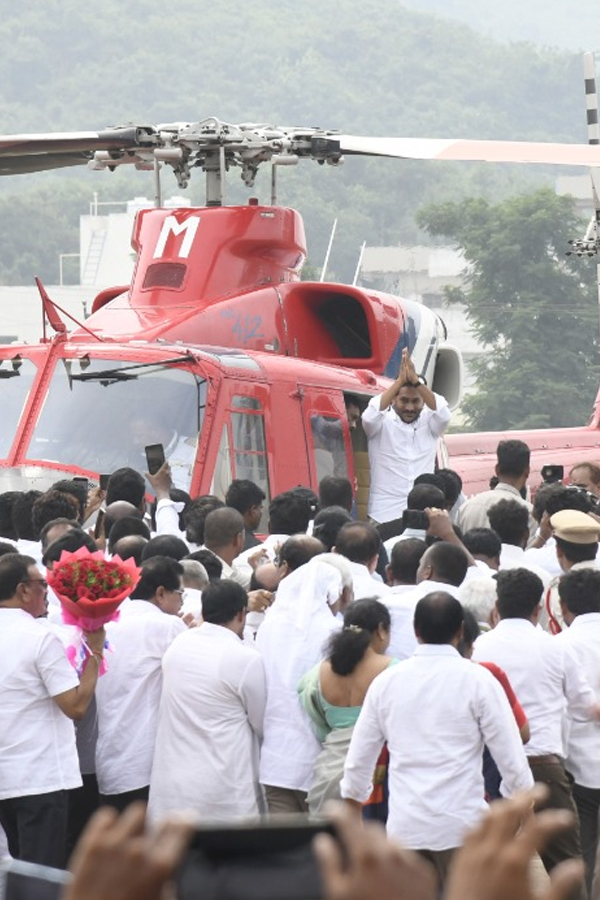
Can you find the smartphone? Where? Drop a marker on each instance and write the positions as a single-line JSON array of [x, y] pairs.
[[104, 479], [254, 861], [99, 526], [552, 474], [30, 881], [155, 457], [415, 518]]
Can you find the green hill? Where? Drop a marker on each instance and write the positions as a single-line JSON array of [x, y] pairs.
[[363, 67]]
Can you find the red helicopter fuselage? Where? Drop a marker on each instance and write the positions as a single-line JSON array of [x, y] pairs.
[[221, 353]]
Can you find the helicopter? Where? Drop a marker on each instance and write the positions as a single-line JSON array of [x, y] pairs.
[[217, 350]]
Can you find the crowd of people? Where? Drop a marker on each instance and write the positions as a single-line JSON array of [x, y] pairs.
[[418, 666]]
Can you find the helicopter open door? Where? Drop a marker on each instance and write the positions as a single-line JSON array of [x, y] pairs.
[[326, 433]]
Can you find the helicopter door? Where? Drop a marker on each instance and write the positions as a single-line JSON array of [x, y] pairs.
[[242, 449], [327, 434]]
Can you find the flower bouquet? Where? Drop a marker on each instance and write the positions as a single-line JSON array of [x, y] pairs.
[[90, 589]]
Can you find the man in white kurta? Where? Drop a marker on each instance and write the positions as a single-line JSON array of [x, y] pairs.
[[402, 426], [211, 715], [128, 695], [436, 711]]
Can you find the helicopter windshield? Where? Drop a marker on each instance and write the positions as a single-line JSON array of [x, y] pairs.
[[16, 378], [101, 424]]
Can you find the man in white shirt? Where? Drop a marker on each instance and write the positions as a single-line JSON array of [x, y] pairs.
[[224, 536], [128, 695], [576, 537], [510, 521], [211, 715], [580, 602], [40, 693], [436, 711], [402, 426], [359, 543], [548, 680], [442, 567], [512, 470]]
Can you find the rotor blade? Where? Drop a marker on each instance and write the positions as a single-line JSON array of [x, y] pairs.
[[35, 152], [477, 151]]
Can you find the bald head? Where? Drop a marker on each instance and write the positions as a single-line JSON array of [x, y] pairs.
[[119, 510], [438, 619], [224, 533], [297, 551], [443, 562]]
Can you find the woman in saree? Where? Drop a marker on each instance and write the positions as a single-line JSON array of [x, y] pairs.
[[332, 693]]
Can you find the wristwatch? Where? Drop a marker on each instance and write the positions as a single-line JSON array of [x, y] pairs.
[[420, 382]]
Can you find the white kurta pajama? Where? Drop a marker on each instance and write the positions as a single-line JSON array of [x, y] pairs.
[[209, 728]]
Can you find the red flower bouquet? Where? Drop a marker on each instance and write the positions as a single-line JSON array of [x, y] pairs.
[[90, 589]]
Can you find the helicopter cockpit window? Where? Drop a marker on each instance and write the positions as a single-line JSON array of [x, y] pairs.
[[99, 414], [329, 447], [16, 378]]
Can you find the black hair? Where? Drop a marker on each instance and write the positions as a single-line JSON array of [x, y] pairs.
[[5, 548], [568, 498], [195, 516], [519, 593], [126, 484], [53, 505], [542, 497], [432, 478], [289, 513], [471, 632], [159, 571], [449, 562], [212, 564], [243, 494], [358, 541], [510, 520], [405, 558], [438, 617], [7, 500], [327, 524], [126, 526], [513, 458], [335, 491], [130, 546], [13, 570], [222, 601], [22, 515], [579, 590], [71, 541], [77, 489], [165, 545], [222, 526], [577, 553], [425, 496], [361, 620], [452, 485], [308, 495], [482, 542], [70, 525], [351, 400], [298, 550]]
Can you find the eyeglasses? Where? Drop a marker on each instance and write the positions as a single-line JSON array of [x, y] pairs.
[[41, 581], [180, 591]]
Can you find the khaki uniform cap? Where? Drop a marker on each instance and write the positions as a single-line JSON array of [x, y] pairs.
[[575, 526]]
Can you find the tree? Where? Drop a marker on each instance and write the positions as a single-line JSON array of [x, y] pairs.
[[533, 307]]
